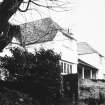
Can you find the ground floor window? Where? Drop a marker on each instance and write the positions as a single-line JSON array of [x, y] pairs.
[[66, 67]]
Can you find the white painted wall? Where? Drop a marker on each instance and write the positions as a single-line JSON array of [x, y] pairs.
[[74, 68], [61, 45]]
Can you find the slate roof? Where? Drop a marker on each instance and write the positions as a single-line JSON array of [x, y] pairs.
[[85, 48], [40, 31]]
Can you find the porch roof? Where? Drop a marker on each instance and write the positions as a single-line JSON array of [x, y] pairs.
[[86, 64]]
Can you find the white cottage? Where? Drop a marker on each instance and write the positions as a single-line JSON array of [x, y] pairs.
[[47, 34], [91, 63]]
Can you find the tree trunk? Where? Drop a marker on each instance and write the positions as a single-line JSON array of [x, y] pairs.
[[7, 9]]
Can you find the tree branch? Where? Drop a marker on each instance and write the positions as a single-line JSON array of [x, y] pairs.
[[26, 7]]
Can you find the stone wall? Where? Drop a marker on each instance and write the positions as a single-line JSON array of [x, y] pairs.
[[94, 89]]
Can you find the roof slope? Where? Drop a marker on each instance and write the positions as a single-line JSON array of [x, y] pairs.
[[85, 48], [39, 31]]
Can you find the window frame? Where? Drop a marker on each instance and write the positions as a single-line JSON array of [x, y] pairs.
[[66, 67]]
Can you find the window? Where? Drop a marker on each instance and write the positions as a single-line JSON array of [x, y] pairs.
[[61, 67], [70, 68], [66, 67]]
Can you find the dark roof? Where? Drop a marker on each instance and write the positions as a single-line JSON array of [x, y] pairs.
[[85, 48], [40, 31]]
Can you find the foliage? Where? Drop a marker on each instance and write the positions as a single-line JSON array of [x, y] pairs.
[[12, 97], [38, 75]]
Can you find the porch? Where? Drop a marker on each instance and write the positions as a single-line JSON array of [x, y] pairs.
[[86, 71]]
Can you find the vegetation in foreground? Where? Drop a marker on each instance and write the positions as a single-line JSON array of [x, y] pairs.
[[30, 78]]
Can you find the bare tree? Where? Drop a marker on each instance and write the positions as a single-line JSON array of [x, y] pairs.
[[9, 7]]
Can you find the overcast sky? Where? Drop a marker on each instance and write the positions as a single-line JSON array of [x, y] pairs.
[[86, 20], [90, 24]]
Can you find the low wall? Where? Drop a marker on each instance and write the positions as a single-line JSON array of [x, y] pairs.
[[94, 89]]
